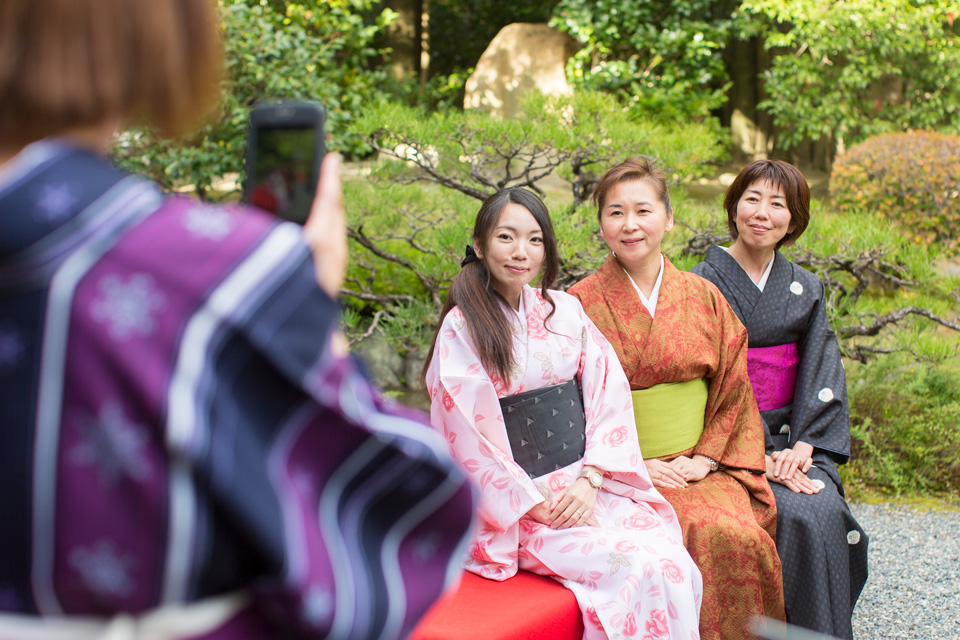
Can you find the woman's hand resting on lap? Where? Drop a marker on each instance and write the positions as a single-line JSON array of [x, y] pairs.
[[788, 460], [666, 475], [572, 507], [693, 469], [798, 482]]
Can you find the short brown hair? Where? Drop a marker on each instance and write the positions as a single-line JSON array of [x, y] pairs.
[[780, 174], [66, 64], [631, 170]]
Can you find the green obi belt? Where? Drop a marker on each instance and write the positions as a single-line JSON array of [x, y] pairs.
[[670, 416]]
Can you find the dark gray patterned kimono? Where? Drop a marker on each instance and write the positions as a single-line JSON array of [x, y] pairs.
[[822, 547]]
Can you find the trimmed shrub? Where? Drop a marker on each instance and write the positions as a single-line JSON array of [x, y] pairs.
[[909, 178]]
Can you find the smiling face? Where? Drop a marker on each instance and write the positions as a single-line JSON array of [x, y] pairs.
[[514, 252], [763, 218], [633, 221]]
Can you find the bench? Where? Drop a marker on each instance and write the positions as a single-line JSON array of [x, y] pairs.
[[524, 607]]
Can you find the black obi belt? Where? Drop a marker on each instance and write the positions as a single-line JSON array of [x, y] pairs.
[[547, 427]]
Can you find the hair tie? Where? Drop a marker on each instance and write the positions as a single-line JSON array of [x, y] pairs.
[[469, 256]]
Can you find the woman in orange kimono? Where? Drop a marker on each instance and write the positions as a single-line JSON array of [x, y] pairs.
[[684, 353]]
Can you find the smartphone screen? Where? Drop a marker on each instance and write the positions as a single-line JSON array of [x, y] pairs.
[[284, 184]]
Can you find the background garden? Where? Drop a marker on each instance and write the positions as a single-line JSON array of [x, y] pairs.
[[866, 94]]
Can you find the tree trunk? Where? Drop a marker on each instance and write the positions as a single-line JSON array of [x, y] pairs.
[[424, 42], [404, 38], [751, 129]]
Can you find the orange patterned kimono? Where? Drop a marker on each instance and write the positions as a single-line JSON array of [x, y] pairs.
[[729, 518]]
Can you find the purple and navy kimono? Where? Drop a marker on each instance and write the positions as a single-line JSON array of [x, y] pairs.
[[173, 426], [798, 380]]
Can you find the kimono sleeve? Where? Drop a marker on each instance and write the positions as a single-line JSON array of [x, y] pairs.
[[612, 443], [733, 432], [465, 409], [349, 505], [820, 415]]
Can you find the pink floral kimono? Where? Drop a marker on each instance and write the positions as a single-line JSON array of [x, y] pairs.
[[632, 576]]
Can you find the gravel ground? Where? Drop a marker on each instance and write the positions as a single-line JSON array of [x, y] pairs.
[[913, 591]]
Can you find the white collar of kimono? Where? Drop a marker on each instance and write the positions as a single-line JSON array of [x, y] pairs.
[[766, 272], [24, 162], [521, 312], [649, 303]]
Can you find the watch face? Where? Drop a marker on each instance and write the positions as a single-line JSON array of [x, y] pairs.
[[596, 480]]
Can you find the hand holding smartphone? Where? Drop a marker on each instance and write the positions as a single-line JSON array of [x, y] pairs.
[[285, 147]]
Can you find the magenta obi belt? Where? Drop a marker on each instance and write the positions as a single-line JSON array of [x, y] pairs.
[[773, 374]]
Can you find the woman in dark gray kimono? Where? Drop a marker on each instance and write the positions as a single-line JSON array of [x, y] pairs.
[[798, 380]]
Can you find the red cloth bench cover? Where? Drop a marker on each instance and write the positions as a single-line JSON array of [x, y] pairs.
[[524, 607]]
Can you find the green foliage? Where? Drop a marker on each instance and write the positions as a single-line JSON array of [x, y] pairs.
[[319, 50], [440, 91], [904, 418], [587, 131], [460, 30], [908, 178], [662, 58], [411, 219], [849, 70]]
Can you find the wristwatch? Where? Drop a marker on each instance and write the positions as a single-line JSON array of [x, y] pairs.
[[714, 465], [595, 478]]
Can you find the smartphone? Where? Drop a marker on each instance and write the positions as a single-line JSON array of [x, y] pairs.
[[285, 145]]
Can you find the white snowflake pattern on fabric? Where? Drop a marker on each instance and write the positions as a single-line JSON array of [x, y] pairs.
[[425, 547], [103, 570], [53, 202], [113, 444], [11, 348], [208, 222], [128, 307], [317, 606]]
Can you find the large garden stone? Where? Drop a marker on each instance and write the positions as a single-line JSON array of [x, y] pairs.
[[520, 59]]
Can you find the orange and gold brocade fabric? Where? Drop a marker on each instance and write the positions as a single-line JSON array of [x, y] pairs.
[[729, 518]]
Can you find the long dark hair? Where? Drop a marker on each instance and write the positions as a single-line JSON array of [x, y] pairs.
[[473, 292]]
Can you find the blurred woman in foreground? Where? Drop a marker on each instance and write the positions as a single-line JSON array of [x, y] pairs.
[[185, 449]]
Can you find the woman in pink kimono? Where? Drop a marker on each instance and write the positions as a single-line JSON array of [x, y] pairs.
[[534, 404]]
